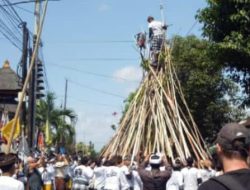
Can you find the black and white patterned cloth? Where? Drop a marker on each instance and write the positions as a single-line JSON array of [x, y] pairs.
[[79, 185], [156, 43], [81, 178]]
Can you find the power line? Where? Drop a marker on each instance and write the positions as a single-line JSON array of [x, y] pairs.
[[10, 18], [7, 33], [10, 13], [28, 1], [23, 9], [106, 59], [13, 43], [192, 27], [97, 90], [92, 103], [10, 31], [95, 42], [14, 11], [9, 26], [92, 73]]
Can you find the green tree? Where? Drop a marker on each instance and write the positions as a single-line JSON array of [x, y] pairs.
[[227, 23], [62, 131], [86, 149], [209, 93]]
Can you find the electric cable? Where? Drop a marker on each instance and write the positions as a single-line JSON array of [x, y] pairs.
[[92, 103], [191, 28], [94, 42], [97, 90], [9, 24], [23, 9], [92, 73], [14, 11]]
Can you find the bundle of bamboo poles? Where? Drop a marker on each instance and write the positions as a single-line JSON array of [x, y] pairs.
[[158, 119]]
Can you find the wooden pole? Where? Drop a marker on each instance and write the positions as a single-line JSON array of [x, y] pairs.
[[13, 127]]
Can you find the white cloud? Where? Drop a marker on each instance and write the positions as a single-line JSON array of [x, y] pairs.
[[104, 7], [95, 127], [129, 73]]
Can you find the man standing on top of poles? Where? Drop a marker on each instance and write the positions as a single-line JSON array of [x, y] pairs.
[[156, 38]]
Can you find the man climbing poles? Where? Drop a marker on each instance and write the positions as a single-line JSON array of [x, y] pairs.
[[156, 38], [141, 40]]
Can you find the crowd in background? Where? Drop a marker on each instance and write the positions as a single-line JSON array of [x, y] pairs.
[[152, 172], [61, 172]]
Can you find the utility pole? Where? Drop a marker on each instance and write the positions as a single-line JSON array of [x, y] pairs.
[[24, 66], [33, 85]]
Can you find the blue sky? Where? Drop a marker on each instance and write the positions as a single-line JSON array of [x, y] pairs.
[[90, 42]]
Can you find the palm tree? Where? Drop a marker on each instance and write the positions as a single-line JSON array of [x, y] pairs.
[[62, 130]]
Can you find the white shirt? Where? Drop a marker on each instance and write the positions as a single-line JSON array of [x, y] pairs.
[[149, 168], [51, 170], [9, 183], [99, 177], [46, 175], [127, 173], [83, 173], [175, 181], [190, 176], [115, 179], [156, 27], [137, 182], [206, 174], [59, 168]]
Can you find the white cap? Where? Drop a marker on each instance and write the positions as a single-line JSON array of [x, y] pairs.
[[155, 159]]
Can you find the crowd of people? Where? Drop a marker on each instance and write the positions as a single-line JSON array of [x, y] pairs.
[[152, 172]]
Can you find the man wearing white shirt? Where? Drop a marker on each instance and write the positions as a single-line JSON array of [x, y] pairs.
[[156, 38], [132, 176], [176, 180], [125, 168], [115, 178], [83, 174], [191, 176], [206, 171], [137, 182], [7, 165], [99, 175]]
